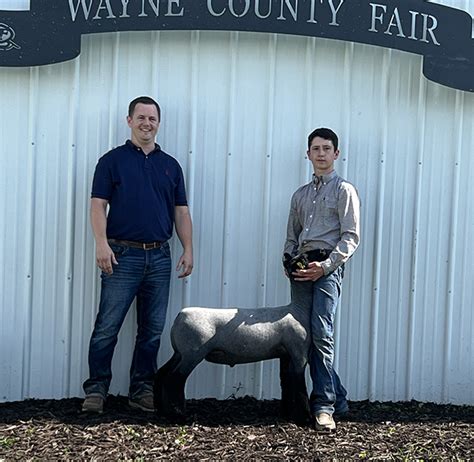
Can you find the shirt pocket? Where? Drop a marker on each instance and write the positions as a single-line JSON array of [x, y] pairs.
[[329, 212]]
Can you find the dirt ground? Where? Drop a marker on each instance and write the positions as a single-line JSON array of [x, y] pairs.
[[234, 429]]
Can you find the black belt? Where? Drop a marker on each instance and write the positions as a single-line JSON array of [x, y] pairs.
[[138, 245], [318, 254]]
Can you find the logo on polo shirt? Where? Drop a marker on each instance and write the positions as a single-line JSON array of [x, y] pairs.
[[7, 34]]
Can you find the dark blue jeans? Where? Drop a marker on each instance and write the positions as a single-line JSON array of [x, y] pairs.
[[144, 274], [328, 393]]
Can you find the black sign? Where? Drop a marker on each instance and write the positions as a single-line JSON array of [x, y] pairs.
[[51, 31]]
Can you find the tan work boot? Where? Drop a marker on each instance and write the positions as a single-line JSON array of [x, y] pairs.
[[143, 402], [323, 422], [93, 403]]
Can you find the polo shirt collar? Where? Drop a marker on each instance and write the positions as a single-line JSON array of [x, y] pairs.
[[139, 150]]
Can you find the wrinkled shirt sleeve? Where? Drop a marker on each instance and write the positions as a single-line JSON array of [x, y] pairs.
[[349, 218]]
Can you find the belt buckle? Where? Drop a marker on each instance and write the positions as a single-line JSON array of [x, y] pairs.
[[150, 246]]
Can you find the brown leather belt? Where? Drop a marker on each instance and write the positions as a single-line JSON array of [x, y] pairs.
[[137, 245]]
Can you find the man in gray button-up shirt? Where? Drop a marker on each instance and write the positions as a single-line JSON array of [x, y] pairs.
[[324, 222]]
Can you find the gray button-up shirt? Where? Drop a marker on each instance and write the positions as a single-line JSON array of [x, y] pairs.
[[325, 214]]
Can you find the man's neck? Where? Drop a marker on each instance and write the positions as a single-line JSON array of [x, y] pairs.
[[146, 148], [323, 173]]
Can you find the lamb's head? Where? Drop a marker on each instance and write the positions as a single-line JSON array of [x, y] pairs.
[[295, 263]]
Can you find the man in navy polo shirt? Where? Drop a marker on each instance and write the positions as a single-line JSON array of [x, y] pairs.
[[143, 187]]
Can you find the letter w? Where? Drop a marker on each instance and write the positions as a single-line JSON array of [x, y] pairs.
[[75, 9]]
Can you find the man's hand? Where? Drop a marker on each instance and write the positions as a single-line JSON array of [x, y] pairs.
[[185, 264], [312, 273], [105, 258]]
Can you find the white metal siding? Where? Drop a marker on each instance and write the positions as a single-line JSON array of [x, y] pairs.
[[237, 108]]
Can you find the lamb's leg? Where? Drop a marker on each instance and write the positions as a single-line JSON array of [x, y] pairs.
[[160, 393], [285, 383], [299, 409], [170, 382]]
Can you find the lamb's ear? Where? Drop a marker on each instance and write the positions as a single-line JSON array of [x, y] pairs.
[[287, 261], [305, 259]]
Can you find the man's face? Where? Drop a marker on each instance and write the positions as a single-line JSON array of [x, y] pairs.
[[144, 123], [322, 155]]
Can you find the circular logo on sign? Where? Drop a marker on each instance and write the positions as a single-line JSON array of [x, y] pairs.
[[7, 34]]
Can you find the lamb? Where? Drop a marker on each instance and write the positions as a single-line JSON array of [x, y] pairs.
[[236, 336]]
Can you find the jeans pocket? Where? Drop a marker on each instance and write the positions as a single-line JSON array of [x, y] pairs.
[[165, 249], [119, 250]]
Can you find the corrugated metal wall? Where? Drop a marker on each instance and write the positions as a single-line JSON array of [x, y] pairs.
[[237, 108]]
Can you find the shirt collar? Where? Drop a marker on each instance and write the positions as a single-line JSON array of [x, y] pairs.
[[326, 178], [139, 150]]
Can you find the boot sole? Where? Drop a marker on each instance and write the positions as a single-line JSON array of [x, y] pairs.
[[139, 406]]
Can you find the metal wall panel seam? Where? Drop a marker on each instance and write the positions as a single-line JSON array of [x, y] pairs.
[[309, 113], [33, 94], [191, 158], [400, 333], [346, 124], [344, 159], [262, 298], [380, 209], [154, 68], [113, 95], [311, 52], [70, 237], [453, 238], [386, 347], [421, 118], [233, 45], [87, 244]]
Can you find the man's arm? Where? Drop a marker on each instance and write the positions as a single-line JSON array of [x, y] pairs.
[[349, 218], [184, 229], [104, 255]]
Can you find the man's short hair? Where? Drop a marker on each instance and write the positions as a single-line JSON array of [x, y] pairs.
[[143, 100], [325, 134]]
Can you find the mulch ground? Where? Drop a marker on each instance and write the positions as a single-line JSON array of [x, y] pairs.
[[234, 429]]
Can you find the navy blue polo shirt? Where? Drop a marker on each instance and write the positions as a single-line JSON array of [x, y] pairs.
[[142, 192]]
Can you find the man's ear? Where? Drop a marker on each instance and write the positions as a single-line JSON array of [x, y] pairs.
[[336, 154]]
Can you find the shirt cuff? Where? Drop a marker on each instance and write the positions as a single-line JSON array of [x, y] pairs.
[[326, 265]]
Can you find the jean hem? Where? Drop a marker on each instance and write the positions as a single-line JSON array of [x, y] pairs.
[[327, 409]]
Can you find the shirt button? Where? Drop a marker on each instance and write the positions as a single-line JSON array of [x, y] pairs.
[[311, 216], [314, 202], [307, 229]]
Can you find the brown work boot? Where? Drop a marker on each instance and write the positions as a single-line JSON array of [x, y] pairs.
[[93, 403], [323, 422], [143, 402]]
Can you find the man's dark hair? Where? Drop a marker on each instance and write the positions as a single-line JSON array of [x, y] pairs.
[[325, 134], [143, 100]]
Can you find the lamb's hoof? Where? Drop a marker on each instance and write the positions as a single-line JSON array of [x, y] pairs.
[[302, 421]]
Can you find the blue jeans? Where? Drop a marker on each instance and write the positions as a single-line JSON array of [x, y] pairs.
[[328, 393], [144, 274]]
